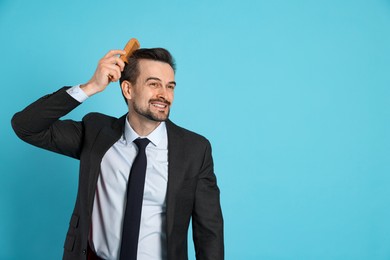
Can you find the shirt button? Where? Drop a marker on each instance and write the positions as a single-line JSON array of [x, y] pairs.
[[84, 251]]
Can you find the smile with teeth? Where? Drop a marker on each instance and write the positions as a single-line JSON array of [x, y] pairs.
[[159, 105]]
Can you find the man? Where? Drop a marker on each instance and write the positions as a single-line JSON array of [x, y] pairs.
[[179, 181]]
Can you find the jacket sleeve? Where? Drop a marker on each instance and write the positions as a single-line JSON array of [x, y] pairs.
[[38, 124], [207, 220]]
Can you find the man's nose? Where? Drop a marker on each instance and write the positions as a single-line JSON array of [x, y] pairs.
[[162, 93]]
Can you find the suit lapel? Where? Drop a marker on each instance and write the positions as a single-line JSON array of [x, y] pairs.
[[106, 138]]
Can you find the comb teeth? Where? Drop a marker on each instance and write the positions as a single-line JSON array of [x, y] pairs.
[[131, 46]]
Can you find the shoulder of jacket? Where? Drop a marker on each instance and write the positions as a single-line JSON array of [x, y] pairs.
[[95, 118], [185, 133], [96, 115]]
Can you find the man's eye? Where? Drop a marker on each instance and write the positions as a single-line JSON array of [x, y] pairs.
[[171, 86]]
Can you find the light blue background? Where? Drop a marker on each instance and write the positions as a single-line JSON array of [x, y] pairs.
[[293, 95]]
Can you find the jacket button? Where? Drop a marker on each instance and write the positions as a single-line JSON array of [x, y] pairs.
[[84, 251]]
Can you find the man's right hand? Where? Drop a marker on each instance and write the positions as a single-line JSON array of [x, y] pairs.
[[108, 70]]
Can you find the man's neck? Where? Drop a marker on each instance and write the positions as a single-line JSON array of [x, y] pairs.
[[142, 126]]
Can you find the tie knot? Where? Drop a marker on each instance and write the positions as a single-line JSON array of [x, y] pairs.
[[141, 143]]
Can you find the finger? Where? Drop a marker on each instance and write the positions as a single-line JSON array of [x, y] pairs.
[[104, 75], [112, 60], [112, 72], [115, 68], [110, 78], [120, 63], [114, 53]]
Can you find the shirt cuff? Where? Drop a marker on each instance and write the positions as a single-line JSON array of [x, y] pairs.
[[77, 93]]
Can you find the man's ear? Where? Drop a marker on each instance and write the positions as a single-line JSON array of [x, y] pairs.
[[127, 89]]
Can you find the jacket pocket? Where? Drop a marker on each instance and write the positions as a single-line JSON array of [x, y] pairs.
[[74, 221], [70, 237], [69, 243]]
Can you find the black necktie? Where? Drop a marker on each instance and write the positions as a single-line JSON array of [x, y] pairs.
[[135, 193]]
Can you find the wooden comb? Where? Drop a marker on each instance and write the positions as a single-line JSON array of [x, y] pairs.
[[131, 46]]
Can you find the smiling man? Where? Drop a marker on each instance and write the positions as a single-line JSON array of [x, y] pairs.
[[142, 178]]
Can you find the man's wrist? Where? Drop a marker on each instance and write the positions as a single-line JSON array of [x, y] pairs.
[[77, 93], [89, 89]]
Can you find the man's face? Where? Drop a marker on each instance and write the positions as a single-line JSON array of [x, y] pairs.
[[153, 93]]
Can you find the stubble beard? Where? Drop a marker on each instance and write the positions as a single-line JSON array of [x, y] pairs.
[[147, 113]]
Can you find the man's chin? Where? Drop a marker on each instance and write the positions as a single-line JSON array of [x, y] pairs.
[[153, 115], [157, 118]]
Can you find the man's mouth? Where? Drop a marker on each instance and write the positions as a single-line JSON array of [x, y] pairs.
[[160, 104]]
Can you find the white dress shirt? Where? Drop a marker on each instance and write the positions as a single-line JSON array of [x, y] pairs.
[[110, 196]]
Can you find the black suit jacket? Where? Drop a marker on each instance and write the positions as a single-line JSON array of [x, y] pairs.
[[192, 189]]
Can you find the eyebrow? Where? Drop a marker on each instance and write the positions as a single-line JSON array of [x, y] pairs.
[[154, 78]]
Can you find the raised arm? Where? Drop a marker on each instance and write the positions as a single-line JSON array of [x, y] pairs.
[[39, 124]]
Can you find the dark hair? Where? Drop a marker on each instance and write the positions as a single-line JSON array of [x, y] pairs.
[[131, 70]]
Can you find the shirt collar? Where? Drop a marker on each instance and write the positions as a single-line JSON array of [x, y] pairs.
[[155, 137]]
